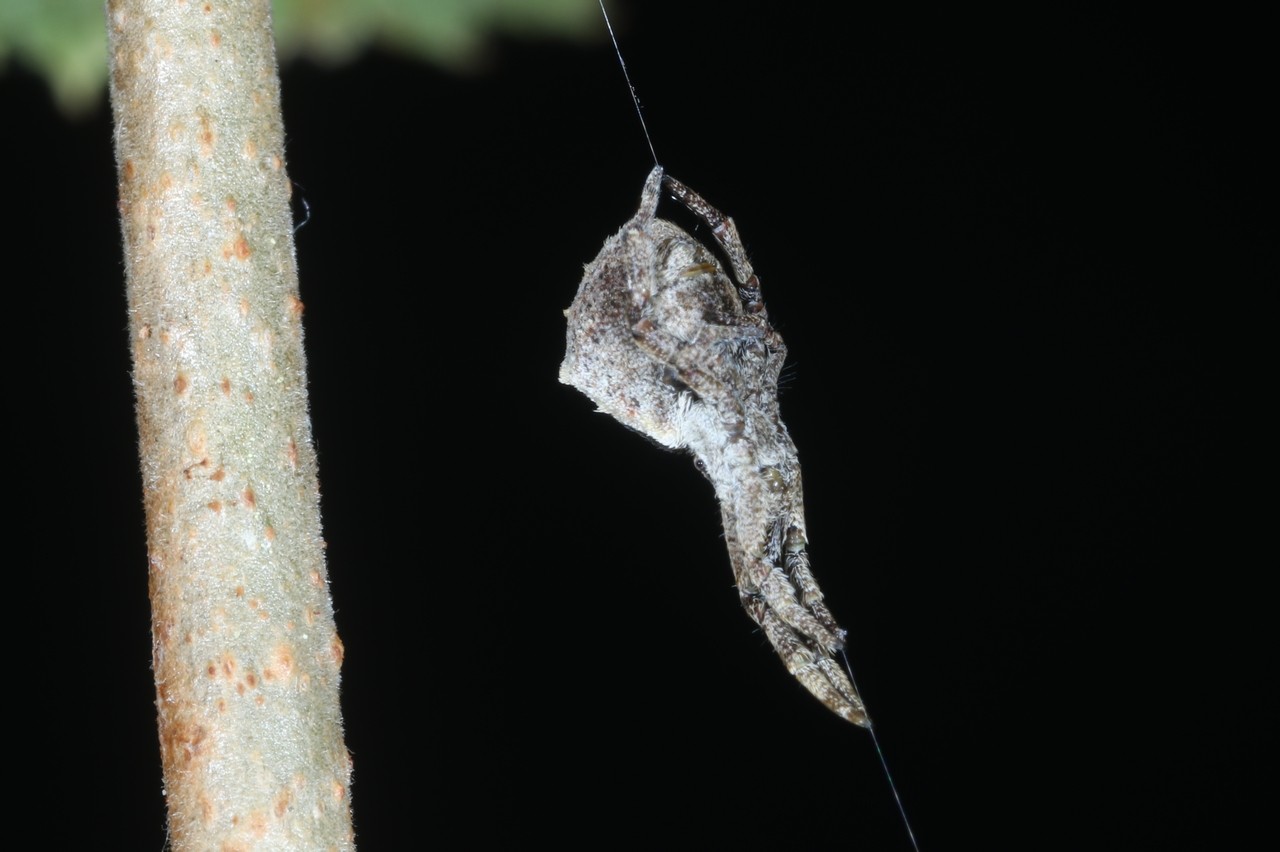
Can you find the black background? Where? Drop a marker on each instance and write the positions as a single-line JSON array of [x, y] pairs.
[[1013, 271]]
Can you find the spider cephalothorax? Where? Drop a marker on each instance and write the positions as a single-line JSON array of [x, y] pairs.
[[661, 338]]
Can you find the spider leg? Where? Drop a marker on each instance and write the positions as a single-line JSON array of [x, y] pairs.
[[811, 596], [800, 629], [726, 235], [779, 591], [762, 574], [815, 669]]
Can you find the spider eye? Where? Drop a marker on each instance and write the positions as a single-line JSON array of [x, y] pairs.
[[701, 466]]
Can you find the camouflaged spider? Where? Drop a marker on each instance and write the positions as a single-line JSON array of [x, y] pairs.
[[662, 339]]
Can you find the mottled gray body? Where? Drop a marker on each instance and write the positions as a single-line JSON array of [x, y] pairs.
[[661, 338]]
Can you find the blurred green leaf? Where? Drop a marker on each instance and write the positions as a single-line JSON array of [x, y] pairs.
[[65, 40]]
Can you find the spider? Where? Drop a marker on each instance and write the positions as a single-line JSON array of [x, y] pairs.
[[663, 340]]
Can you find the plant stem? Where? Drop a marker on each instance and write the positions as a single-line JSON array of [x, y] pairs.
[[245, 652]]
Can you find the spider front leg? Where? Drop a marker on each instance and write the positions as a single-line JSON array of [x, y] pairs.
[[817, 672], [771, 565], [826, 679]]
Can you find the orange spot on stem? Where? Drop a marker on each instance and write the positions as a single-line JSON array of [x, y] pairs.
[[337, 650]]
